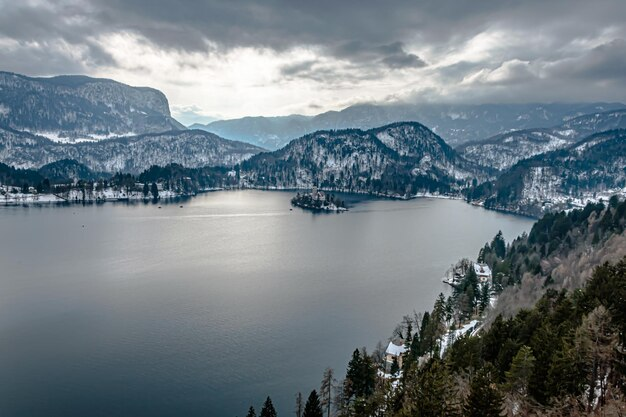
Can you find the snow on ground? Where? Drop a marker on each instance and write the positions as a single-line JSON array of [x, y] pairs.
[[452, 335], [76, 195], [60, 137]]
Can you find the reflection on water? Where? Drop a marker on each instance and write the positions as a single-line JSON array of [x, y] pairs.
[[119, 310]]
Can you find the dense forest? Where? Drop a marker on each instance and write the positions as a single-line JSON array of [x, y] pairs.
[[581, 170], [68, 174], [561, 355]]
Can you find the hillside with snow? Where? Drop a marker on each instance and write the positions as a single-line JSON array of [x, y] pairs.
[[586, 171], [401, 159], [190, 148], [503, 151], [77, 108]]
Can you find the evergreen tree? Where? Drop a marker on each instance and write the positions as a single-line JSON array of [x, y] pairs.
[[360, 376], [146, 190], [251, 412], [485, 294], [498, 245], [313, 408], [155, 191], [518, 376], [429, 392], [395, 368], [268, 409], [484, 399]]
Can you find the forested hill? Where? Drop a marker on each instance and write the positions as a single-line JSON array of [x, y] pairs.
[[557, 351], [398, 159], [505, 150], [132, 154], [559, 179]]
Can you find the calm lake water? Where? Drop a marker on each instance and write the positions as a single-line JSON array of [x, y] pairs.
[[131, 310]]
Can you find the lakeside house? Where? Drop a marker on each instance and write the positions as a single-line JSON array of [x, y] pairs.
[[395, 352], [483, 272]]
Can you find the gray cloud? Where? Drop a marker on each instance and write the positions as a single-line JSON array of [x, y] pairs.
[[606, 62], [391, 55], [355, 40]]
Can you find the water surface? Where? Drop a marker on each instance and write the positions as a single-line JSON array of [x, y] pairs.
[[128, 310]]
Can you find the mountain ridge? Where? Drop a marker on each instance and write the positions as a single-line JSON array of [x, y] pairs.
[[74, 107], [455, 123], [505, 150]]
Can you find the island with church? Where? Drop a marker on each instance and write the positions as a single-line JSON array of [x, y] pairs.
[[319, 201]]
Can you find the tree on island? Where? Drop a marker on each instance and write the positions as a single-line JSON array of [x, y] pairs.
[[268, 409], [313, 408], [251, 412]]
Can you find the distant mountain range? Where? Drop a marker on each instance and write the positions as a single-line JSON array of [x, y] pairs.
[[592, 168], [525, 158], [67, 108], [133, 154], [505, 150], [456, 124]]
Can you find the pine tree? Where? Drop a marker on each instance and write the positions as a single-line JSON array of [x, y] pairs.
[[429, 392], [251, 412], [395, 368], [498, 245], [146, 190], [313, 408], [485, 295], [519, 374], [353, 374], [268, 409], [484, 399]]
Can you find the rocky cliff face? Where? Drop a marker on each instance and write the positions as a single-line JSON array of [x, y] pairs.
[[67, 108]]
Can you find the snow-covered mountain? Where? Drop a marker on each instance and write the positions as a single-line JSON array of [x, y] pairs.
[[588, 170], [503, 151], [399, 159], [190, 148], [69, 108], [457, 124]]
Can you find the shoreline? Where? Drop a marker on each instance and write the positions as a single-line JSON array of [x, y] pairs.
[[49, 200]]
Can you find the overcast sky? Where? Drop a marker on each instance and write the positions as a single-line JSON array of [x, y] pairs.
[[232, 58]]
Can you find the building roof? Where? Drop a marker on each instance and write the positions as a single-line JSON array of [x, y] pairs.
[[394, 349], [482, 269]]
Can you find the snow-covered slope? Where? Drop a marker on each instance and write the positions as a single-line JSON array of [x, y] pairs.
[[398, 159], [504, 151], [588, 170], [190, 148], [71, 108]]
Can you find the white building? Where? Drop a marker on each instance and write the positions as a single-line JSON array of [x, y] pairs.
[[395, 350], [483, 272]]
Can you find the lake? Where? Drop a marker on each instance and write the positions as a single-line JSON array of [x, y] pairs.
[[204, 310]]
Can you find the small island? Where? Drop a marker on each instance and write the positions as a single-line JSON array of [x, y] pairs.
[[318, 200]]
